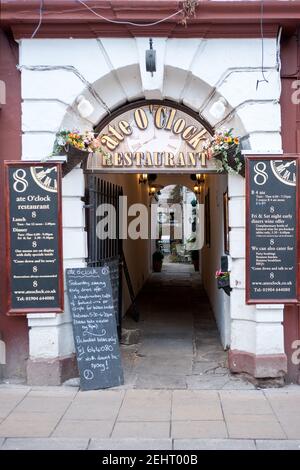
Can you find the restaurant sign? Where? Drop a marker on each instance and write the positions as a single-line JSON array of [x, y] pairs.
[[34, 238], [153, 138], [272, 229]]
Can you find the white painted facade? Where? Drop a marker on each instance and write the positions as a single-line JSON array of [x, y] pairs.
[[195, 72]]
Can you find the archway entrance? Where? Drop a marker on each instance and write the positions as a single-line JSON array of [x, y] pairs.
[[182, 335], [155, 155]]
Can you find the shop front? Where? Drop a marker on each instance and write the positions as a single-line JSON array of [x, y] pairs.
[[150, 123]]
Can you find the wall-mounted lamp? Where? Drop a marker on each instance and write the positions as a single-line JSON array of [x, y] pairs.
[[197, 188], [143, 178], [218, 109], [85, 108], [152, 190], [151, 58]]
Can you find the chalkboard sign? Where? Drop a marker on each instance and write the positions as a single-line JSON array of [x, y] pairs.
[[34, 237], [94, 327], [272, 230], [115, 275]]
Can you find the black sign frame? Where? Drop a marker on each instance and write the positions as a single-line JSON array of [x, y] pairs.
[[250, 300], [59, 308], [94, 325]]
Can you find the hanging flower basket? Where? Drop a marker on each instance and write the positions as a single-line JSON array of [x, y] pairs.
[[77, 146], [225, 149], [223, 281], [231, 159], [74, 158]]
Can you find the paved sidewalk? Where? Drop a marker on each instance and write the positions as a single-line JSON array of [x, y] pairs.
[[63, 417]]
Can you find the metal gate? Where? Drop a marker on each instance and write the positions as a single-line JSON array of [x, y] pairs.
[[106, 251]]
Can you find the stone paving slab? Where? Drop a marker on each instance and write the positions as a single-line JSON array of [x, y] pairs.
[[214, 444], [45, 444], [244, 402], [196, 405], [290, 423], [29, 424], [9, 398], [38, 404], [277, 445], [142, 429], [146, 405], [254, 427], [130, 444], [198, 429], [97, 405], [84, 429]]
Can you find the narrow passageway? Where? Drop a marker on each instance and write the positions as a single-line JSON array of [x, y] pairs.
[[179, 346]]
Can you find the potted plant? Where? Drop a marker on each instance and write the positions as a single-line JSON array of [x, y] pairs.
[[157, 260], [223, 281], [77, 146], [195, 259], [225, 149]]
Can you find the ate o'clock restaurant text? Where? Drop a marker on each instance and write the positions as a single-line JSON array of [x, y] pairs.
[[87, 121]]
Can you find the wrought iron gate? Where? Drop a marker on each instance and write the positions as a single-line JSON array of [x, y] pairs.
[[106, 251]]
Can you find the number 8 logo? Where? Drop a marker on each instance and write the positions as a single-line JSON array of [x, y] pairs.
[[20, 185], [261, 176]]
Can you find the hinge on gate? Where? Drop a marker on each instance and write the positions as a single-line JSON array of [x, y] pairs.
[[88, 206]]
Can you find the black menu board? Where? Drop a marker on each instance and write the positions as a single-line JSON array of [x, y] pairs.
[[114, 272], [34, 237], [94, 327], [272, 230]]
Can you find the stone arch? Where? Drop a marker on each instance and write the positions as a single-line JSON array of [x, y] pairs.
[[179, 87]]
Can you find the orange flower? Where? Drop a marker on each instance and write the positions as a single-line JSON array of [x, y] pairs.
[[236, 140]]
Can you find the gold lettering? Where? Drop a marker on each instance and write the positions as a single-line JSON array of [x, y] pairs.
[[140, 118], [191, 159], [179, 126], [110, 143], [159, 115], [148, 159], [118, 159], [107, 160], [125, 127], [128, 159], [181, 159], [196, 138], [138, 157], [203, 158], [115, 133], [171, 119], [188, 132], [169, 159], [157, 159]]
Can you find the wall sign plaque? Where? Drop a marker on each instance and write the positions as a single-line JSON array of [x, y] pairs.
[[34, 237], [272, 229], [94, 326], [156, 137]]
